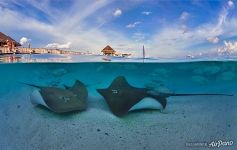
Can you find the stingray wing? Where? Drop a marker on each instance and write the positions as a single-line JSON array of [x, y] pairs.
[[61, 100], [80, 90], [120, 96]]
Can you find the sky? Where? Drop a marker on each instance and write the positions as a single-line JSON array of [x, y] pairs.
[[167, 28]]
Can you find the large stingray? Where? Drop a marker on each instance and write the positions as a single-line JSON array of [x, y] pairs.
[[121, 96], [61, 100]]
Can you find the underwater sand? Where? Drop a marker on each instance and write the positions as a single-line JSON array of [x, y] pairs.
[[186, 119]]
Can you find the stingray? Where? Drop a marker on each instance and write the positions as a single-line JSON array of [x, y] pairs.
[[121, 96], [61, 100]]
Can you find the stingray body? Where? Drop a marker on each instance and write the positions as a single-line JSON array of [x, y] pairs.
[[61, 100], [121, 96]]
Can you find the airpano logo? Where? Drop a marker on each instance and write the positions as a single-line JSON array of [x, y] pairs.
[[213, 144], [221, 143]]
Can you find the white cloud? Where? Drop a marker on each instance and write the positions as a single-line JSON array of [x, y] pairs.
[[169, 40], [133, 25], [231, 4], [228, 48], [232, 46], [184, 16], [117, 12], [175, 40], [184, 28], [59, 46], [24, 40], [70, 27], [224, 14], [138, 36], [213, 40], [146, 13]]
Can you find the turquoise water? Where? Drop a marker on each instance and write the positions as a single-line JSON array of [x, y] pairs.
[[214, 115], [219, 77]]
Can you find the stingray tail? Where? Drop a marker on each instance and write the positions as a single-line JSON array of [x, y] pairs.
[[36, 86], [162, 97], [198, 94]]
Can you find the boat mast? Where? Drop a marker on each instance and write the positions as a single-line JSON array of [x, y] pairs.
[[143, 53]]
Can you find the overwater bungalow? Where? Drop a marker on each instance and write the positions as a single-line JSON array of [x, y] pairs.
[[108, 51]]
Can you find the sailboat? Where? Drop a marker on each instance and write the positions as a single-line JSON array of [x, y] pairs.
[[143, 53]]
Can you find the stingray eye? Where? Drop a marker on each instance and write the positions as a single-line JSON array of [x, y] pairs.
[[114, 91]]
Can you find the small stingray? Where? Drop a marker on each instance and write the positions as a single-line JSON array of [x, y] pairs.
[[121, 96], [61, 100]]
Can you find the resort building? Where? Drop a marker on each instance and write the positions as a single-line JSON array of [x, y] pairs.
[[10, 46], [7, 44], [108, 51]]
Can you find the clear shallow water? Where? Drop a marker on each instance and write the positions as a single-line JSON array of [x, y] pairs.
[[27, 58], [213, 76], [210, 118]]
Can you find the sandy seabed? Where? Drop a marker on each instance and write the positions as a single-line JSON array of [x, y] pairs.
[[186, 120]]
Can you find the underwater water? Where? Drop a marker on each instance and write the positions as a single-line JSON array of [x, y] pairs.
[[188, 122]]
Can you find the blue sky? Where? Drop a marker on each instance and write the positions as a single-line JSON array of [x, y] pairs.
[[165, 27]]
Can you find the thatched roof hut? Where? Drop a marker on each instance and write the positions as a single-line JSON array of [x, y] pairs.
[[108, 50], [4, 40]]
